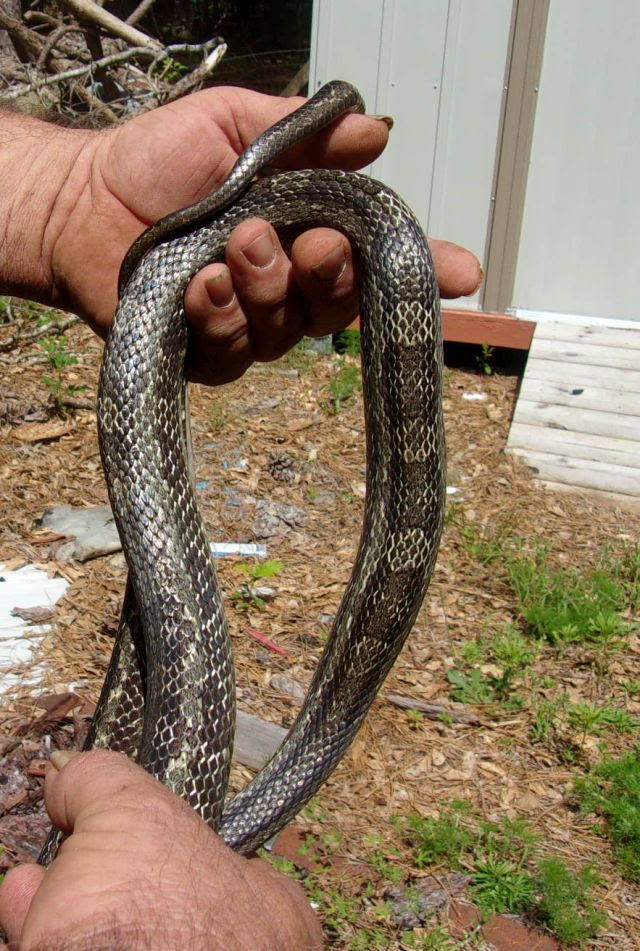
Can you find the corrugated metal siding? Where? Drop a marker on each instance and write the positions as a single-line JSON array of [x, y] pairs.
[[579, 245]]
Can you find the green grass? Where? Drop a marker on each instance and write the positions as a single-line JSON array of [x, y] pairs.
[[560, 605], [344, 383], [565, 905], [509, 871], [612, 790], [59, 359], [563, 605]]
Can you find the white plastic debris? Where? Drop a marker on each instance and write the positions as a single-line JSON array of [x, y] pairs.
[[220, 549], [474, 396], [26, 587]]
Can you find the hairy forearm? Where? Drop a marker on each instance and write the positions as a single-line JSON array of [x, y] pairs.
[[43, 171]]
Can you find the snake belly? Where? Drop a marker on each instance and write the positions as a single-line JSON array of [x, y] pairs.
[[169, 696]]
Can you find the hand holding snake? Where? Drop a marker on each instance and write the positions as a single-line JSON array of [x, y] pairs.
[[94, 201]]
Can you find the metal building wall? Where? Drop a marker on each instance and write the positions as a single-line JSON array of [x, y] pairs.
[[438, 67], [579, 246]]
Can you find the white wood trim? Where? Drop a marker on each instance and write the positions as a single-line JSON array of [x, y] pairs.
[[606, 400], [606, 449], [584, 353], [602, 377], [584, 473]]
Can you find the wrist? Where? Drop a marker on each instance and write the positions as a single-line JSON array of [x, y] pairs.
[[44, 170]]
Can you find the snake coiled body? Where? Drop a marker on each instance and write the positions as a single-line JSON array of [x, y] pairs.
[[169, 696]]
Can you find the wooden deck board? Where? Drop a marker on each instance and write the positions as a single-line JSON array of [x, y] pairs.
[[629, 380], [577, 418]]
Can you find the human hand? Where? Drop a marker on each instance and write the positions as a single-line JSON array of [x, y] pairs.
[[260, 302], [141, 870]]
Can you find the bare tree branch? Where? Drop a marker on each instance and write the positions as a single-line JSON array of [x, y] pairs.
[[196, 76], [89, 10], [137, 51], [26, 38], [143, 7], [57, 327]]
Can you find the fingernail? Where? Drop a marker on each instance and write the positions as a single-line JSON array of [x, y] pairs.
[[333, 264], [220, 289], [60, 758], [261, 251], [388, 120]]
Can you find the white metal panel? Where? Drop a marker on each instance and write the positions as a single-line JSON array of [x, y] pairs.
[[436, 66], [580, 239], [469, 128]]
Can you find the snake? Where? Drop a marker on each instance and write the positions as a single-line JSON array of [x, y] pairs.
[[168, 700]]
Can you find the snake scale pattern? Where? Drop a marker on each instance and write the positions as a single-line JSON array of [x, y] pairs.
[[168, 700]]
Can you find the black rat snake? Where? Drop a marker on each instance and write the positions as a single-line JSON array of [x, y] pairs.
[[168, 700]]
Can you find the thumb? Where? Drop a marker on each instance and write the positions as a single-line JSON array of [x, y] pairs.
[[16, 893]]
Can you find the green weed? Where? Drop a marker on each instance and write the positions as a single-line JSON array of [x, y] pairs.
[[612, 790], [591, 719], [565, 905], [499, 885], [435, 841], [485, 543], [347, 341], [435, 940], [246, 597], [59, 359], [415, 718], [484, 358], [545, 721], [508, 872], [511, 650], [344, 383], [475, 687], [563, 606]]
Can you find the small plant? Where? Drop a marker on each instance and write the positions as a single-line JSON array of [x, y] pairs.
[[347, 341], [439, 840], [475, 687], [499, 885], [511, 649], [545, 721], [246, 597], [59, 359], [591, 719], [415, 718], [388, 870], [472, 652], [484, 358], [344, 384], [565, 905], [612, 790], [508, 873], [435, 940], [483, 542]]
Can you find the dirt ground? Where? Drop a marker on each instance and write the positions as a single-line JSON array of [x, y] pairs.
[[274, 438]]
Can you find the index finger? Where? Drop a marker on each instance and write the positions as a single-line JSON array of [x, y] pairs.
[[349, 143]]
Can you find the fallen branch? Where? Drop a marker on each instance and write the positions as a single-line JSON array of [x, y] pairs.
[[121, 57], [47, 330], [88, 10], [30, 41], [139, 12], [197, 75], [433, 710]]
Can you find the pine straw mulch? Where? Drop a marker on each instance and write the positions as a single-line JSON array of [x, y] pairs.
[[273, 436]]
